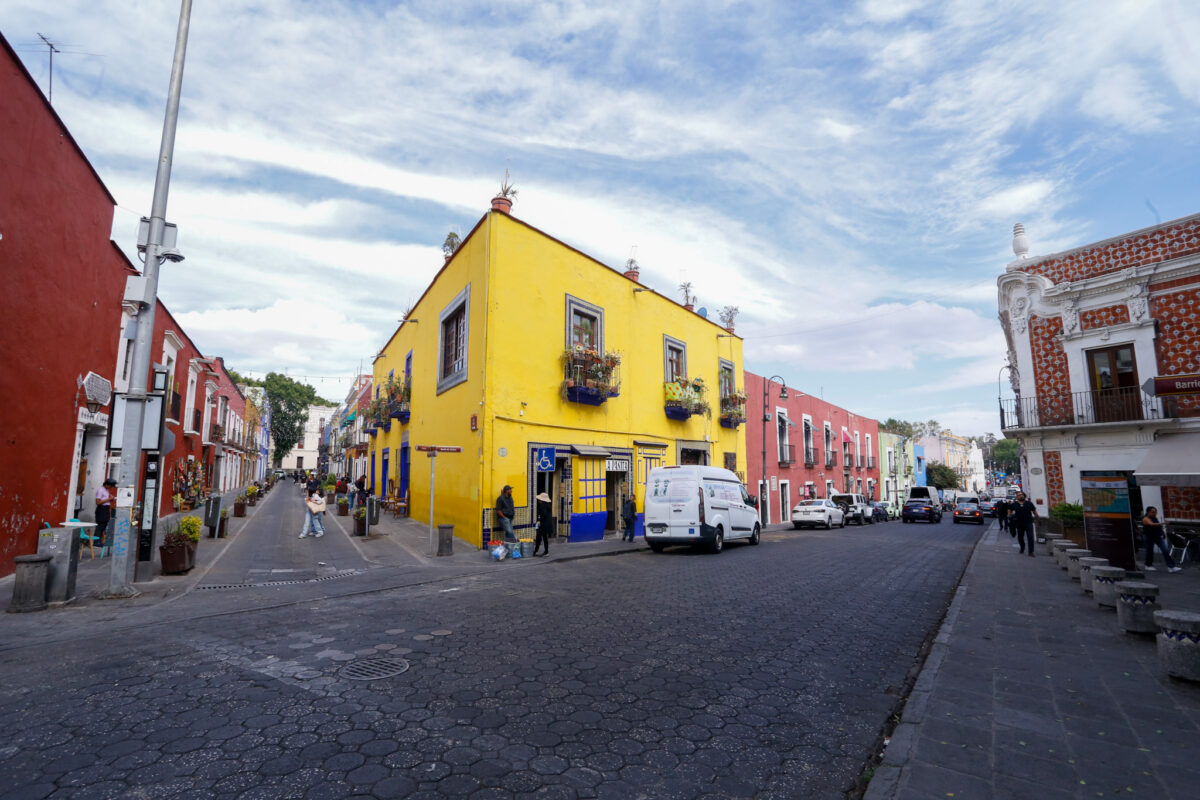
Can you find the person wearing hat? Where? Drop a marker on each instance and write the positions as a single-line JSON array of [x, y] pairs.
[[106, 501], [505, 512], [545, 523]]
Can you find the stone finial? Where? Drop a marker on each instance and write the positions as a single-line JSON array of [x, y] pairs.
[[1020, 243]]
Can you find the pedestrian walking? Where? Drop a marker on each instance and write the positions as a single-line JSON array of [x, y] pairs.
[[316, 511], [505, 512], [629, 517], [106, 501], [545, 523], [360, 491], [1021, 518], [1155, 533], [1002, 515]]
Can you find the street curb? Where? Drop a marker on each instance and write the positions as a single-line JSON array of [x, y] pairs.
[[886, 780]]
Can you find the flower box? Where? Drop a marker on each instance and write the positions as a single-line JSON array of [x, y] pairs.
[[731, 421], [586, 395], [677, 412]]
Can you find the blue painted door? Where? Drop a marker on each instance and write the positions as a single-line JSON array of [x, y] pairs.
[[404, 471], [383, 490]]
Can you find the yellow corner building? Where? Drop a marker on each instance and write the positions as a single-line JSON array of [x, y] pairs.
[[553, 373]]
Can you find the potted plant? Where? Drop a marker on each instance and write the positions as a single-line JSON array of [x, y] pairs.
[[728, 314], [503, 200], [239, 505], [252, 495], [343, 506], [689, 299], [360, 521], [177, 501], [224, 523], [1070, 517], [450, 245], [177, 553]]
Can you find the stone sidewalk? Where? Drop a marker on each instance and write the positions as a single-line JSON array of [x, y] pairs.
[[1031, 690]]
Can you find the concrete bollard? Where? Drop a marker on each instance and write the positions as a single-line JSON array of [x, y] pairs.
[[1073, 555], [1136, 603], [1085, 571], [1179, 643], [1051, 538], [1104, 585], [1060, 548], [29, 583]]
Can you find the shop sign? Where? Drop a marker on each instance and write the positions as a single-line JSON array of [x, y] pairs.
[[617, 465], [1172, 385]]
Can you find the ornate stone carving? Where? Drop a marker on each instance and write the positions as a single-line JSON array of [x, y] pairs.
[[1014, 376], [1019, 317], [1138, 305], [1070, 316]]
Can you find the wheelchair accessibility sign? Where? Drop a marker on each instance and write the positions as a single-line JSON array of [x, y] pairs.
[[543, 458]]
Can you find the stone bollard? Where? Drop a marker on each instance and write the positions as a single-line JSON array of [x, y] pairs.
[[1179, 643], [1085, 571], [29, 583], [1060, 549], [1073, 555], [1051, 538], [1104, 585], [1136, 603]]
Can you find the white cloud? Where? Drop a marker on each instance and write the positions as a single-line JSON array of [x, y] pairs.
[[1119, 95]]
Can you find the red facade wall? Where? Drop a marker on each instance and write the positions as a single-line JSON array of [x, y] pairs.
[[1181, 502], [64, 281], [1164, 243], [1050, 371], [1102, 317], [1178, 344], [798, 404]]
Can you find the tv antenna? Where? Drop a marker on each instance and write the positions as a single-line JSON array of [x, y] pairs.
[[50, 46]]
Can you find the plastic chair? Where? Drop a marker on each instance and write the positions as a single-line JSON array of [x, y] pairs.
[[84, 536], [1179, 545]]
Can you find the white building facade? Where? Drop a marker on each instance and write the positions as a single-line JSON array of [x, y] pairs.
[[1086, 330]]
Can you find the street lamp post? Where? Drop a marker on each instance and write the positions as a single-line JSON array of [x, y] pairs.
[[783, 395]]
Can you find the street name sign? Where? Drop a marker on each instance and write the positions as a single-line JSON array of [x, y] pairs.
[[430, 448], [1172, 385]]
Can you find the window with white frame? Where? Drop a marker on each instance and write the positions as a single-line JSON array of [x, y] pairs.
[[452, 341], [781, 434], [585, 325], [674, 358], [189, 400]]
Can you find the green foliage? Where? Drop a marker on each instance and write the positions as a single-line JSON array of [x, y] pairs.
[[1070, 514], [289, 401], [251, 491], [897, 426], [360, 512], [451, 243], [189, 528], [1004, 455], [237, 377], [940, 476]]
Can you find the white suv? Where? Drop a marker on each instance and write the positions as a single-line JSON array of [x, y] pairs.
[[854, 506]]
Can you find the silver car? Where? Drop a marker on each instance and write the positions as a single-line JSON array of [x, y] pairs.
[[822, 513]]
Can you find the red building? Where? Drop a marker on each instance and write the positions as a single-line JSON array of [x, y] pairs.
[[813, 449], [64, 281]]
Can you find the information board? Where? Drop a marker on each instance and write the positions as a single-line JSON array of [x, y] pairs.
[[1107, 524]]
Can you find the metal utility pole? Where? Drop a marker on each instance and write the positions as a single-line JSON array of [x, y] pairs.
[[124, 557]]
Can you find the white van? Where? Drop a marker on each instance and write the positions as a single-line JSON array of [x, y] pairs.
[[967, 497], [692, 504], [926, 494]]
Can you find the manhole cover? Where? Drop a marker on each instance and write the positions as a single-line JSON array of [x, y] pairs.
[[370, 669]]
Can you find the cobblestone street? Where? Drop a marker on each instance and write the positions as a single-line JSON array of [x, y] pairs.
[[764, 672]]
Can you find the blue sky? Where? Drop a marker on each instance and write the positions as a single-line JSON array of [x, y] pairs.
[[846, 174]]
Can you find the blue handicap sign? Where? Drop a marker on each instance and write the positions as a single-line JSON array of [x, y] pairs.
[[543, 458]]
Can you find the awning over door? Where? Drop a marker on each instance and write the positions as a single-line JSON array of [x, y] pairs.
[[589, 450], [1173, 460]]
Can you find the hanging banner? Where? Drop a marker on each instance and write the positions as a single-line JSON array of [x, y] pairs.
[[1107, 524]]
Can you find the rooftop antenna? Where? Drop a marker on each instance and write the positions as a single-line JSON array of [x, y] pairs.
[[50, 46]]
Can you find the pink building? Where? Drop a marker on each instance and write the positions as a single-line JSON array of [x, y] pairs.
[[812, 449]]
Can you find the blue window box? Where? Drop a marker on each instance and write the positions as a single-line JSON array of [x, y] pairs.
[[730, 422], [677, 412], [591, 397]]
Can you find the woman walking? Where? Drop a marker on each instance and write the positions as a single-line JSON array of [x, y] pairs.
[[545, 523], [1155, 533]]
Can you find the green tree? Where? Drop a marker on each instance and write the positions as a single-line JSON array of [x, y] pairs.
[[1004, 456], [940, 476], [897, 426], [237, 377], [289, 401]]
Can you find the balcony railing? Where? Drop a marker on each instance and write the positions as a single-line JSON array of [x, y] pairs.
[[787, 455], [1127, 404], [830, 458], [810, 456]]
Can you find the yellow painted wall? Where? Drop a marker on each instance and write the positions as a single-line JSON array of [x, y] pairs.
[[443, 419], [531, 276]]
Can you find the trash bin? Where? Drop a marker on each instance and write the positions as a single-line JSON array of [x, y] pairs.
[[29, 584], [373, 509], [445, 540], [62, 545], [212, 515]]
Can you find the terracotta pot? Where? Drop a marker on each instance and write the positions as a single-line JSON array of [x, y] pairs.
[[501, 204]]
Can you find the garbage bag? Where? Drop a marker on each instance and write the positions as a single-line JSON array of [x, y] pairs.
[[499, 552]]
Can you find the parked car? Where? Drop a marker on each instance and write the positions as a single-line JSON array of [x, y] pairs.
[[927, 510], [988, 507], [822, 512], [879, 512], [854, 506], [695, 505], [968, 512]]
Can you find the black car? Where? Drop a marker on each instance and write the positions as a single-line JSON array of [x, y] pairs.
[[921, 510], [968, 512], [879, 512]]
